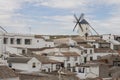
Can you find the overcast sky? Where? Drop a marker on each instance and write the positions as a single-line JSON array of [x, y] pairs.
[[56, 16]]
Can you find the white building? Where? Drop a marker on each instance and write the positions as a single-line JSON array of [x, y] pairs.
[[21, 42], [67, 41], [49, 65], [28, 64], [92, 70], [70, 59]]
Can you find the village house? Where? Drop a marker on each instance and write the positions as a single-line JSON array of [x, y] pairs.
[[18, 43], [67, 41], [69, 59], [99, 52], [113, 60], [7, 74], [49, 65], [28, 64], [93, 70], [113, 40]]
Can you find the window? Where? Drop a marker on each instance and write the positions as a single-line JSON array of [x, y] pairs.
[[80, 70], [10, 64], [85, 51], [90, 51], [18, 41], [75, 58], [23, 51], [5, 40], [91, 58], [74, 70], [68, 65], [76, 64], [37, 41], [11, 40], [27, 41], [85, 59], [94, 46], [48, 69], [34, 65], [68, 58]]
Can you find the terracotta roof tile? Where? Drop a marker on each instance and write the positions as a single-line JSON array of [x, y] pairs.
[[70, 54], [104, 50], [18, 59]]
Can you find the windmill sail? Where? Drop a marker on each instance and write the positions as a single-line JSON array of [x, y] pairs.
[[83, 26]]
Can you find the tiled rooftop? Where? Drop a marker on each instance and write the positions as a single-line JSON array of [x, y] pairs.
[[6, 72]]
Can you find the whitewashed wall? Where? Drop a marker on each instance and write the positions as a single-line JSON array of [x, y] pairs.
[[27, 66]]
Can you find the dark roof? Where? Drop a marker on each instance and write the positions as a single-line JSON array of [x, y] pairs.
[[40, 49], [6, 72], [86, 45], [84, 22], [88, 64], [101, 41], [18, 59], [14, 55], [78, 39], [46, 60], [63, 46], [48, 76], [104, 50], [68, 54]]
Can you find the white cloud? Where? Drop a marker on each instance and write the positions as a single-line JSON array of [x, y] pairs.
[[13, 20], [61, 3]]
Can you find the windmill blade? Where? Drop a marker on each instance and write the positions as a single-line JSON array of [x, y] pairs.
[[93, 29], [78, 21], [3, 29], [81, 16], [75, 27], [76, 18], [80, 27]]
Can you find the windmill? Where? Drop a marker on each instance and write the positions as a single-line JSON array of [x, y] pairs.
[[83, 26]]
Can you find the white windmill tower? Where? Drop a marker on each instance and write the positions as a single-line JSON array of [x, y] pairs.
[[84, 28]]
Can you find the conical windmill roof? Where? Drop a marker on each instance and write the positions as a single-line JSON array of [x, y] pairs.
[[84, 22]]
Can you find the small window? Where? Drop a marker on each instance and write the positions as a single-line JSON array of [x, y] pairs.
[[37, 41], [91, 51], [94, 46], [27, 41], [85, 59], [80, 70], [68, 65], [91, 58], [85, 51], [10, 64], [5, 40], [118, 64], [34, 65], [11, 40], [23, 51], [76, 64], [74, 70], [18, 41]]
